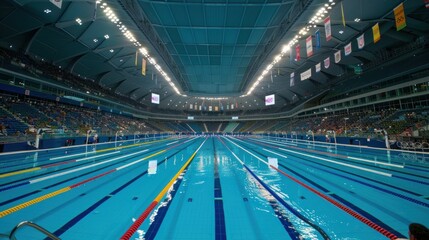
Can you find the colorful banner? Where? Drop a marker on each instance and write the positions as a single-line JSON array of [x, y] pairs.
[[318, 67], [298, 53], [400, 17], [270, 100], [327, 62], [317, 35], [143, 67], [292, 79], [376, 32], [306, 75], [57, 3], [309, 46], [337, 56], [361, 41], [342, 15], [348, 49], [328, 32], [155, 98]]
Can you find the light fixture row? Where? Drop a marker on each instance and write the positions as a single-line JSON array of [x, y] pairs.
[[317, 17], [110, 14]]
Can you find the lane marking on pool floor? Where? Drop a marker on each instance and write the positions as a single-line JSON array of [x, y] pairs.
[[8, 174], [337, 204], [65, 189], [290, 227], [133, 228], [53, 165]]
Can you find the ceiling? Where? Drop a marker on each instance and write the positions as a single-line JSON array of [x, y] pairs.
[[209, 48]]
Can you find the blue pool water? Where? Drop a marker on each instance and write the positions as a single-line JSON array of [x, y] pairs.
[[214, 188]]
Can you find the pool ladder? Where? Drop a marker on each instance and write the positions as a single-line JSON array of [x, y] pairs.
[[11, 236]]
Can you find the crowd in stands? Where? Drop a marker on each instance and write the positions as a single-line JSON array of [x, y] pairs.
[[21, 115]]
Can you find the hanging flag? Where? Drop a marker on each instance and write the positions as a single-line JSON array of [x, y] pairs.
[[136, 60], [196, 106], [306, 74], [327, 22], [57, 3], [361, 41], [298, 53], [216, 108], [427, 3], [143, 67], [227, 106], [317, 34], [327, 62], [348, 49], [232, 106], [338, 56], [201, 107], [376, 32], [342, 15], [191, 106], [292, 79], [318, 67], [309, 46], [399, 17]]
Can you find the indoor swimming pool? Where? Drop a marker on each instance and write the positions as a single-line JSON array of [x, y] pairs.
[[214, 187]]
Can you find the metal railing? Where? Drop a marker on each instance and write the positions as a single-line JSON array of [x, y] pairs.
[[33, 225]]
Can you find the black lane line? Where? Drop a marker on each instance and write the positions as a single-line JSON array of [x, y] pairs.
[[62, 169], [343, 171], [69, 179], [279, 211], [220, 227], [84, 213], [343, 201]]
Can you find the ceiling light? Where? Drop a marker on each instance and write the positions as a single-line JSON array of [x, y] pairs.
[[111, 50], [95, 40], [341, 32], [79, 21], [106, 36], [357, 19], [47, 11]]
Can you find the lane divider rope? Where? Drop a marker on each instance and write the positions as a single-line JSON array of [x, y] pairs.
[[133, 228], [55, 193], [277, 197], [356, 215]]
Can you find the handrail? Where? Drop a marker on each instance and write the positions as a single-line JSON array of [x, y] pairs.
[[35, 226]]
